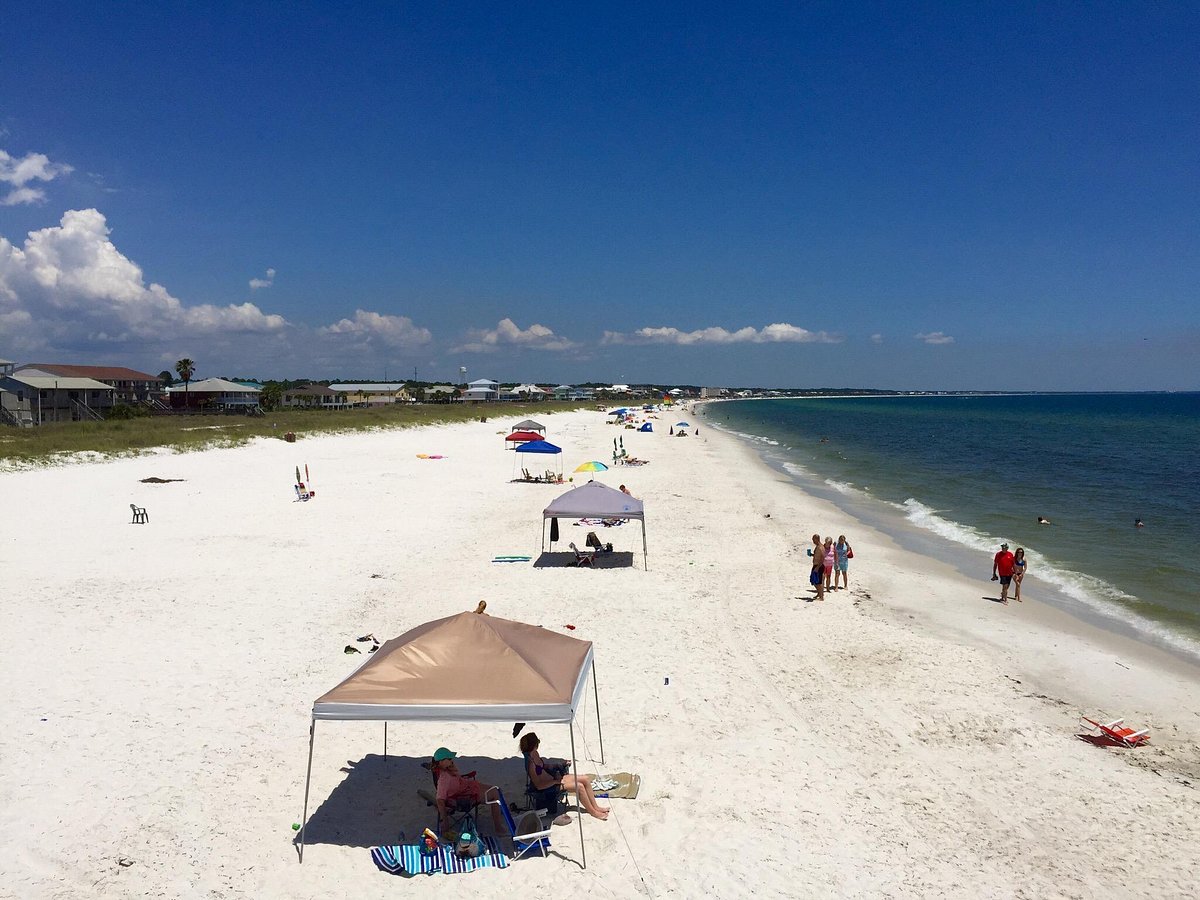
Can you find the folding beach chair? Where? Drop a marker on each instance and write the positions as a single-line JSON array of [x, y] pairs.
[[1118, 732], [460, 812], [531, 834], [581, 558]]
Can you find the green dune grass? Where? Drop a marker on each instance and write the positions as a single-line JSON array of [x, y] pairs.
[[54, 444]]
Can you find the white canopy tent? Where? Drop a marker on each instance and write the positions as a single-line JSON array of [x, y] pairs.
[[466, 667], [596, 501]]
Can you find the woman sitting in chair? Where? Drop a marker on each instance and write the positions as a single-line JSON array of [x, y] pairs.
[[542, 775], [453, 787]]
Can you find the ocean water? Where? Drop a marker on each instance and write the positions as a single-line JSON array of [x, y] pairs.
[[953, 476]]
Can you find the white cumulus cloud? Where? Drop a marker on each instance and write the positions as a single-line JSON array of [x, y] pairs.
[[19, 172], [506, 333], [256, 283], [777, 333], [68, 285], [370, 327], [877, 338], [935, 337]]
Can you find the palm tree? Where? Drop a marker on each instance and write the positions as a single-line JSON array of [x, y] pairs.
[[186, 369]]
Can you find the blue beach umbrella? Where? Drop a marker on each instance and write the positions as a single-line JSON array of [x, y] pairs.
[[682, 425]]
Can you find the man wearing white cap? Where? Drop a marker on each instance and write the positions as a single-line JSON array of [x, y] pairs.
[[1002, 570]]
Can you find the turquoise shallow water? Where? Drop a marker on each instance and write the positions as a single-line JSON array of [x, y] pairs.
[[959, 474]]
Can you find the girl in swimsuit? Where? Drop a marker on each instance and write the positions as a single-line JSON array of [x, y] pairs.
[[830, 559], [1018, 572]]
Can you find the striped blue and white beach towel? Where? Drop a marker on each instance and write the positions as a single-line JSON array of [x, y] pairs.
[[407, 859]]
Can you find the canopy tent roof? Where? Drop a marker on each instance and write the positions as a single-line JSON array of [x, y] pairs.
[[529, 425], [466, 667], [523, 436], [595, 501], [539, 447]]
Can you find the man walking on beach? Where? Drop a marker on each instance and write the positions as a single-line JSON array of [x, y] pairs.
[[1002, 570], [816, 577]]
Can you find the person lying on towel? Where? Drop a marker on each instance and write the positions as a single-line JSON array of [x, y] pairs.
[[453, 786], [543, 774]]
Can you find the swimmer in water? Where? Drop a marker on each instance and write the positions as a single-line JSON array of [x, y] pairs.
[[1042, 520], [1138, 523]]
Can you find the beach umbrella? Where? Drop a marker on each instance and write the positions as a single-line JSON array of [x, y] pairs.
[[682, 425], [593, 466]]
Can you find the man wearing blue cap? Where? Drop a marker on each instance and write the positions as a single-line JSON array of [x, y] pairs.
[[453, 786]]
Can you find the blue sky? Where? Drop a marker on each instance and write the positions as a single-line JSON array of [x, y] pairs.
[[1005, 196]]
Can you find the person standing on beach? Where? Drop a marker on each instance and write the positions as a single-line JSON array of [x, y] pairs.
[[1002, 570], [816, 576], [842, 566], [828, 560], [1018, 572]]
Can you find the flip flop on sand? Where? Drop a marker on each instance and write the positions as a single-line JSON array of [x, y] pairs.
[[350, 648], [367, 637]]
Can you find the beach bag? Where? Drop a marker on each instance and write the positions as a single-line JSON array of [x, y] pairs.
[[469, 845], [849, 553]]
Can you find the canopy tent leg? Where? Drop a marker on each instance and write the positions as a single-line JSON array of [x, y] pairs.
[[385, 739], [596, 694], [543, 550], [578, 803], [312, 735], [645, 557]]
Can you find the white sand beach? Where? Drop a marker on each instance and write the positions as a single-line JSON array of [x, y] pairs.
[[905, 738]]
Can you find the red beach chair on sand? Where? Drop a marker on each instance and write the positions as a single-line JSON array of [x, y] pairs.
[[1117, 732]]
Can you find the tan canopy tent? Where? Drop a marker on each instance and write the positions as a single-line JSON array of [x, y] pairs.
[[466, 667], [595, 501]]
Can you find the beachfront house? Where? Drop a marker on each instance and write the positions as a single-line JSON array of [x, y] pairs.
[[372, 394], [524, 392], [48, 398], [484, 390], [314, 396], [214, 395], [14, 404], [129, 385], [441, 393]]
